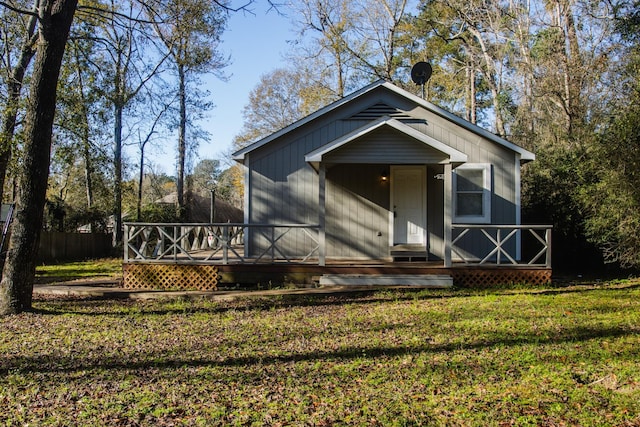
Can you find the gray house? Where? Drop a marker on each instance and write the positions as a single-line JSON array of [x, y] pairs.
[[383, 175]]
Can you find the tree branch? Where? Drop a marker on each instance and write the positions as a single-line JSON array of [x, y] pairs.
[[18, 10]]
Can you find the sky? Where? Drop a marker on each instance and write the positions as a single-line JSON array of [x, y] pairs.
[[256, 43]]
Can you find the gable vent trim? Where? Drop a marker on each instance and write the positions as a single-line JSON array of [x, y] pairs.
[[379, 110]]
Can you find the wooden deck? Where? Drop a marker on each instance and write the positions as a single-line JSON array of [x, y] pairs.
[[462, 274], [159, 255]]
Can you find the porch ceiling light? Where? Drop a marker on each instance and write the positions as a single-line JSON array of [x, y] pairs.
[[384, 176]]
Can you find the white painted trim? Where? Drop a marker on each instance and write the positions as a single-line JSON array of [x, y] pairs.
[[518, 204], [447, 213], [525, 154], [240, 154], [391, 219], [322, 215], [487, 194]]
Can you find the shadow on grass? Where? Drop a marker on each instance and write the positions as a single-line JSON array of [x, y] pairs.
[[60, 364], [110, 305], [568, 289]]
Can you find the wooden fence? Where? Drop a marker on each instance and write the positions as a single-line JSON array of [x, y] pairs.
[[57, 246]]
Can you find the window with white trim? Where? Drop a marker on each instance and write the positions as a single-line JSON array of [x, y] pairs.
[[472, 193]]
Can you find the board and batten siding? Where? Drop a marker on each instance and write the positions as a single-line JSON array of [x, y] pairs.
[[357, 212], [386, 146], [435, 220], [479, 150], [284, 188], [503, 186]]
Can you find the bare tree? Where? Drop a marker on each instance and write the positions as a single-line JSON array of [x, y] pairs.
[[190, 32], [281, 97], [158, 115], [81, 108], [54, 22], [327, 23], [355, 41]]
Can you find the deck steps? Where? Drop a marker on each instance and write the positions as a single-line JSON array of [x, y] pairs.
[[413, 280], [409, 253]]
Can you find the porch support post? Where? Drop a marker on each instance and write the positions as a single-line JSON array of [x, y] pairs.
[[448, 214], [322, 209], [518, 200], [248, 206]]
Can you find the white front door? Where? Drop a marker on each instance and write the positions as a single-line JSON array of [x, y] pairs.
[[409, 204]]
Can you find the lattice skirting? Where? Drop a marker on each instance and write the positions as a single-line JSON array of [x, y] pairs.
[[486, 278], [170, 277]]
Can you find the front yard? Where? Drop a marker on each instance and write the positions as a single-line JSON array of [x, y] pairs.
[[559, 356]]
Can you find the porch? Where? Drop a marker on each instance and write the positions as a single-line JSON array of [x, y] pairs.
[[160, 255]]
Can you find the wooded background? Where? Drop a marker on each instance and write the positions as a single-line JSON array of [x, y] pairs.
[[558, 77]]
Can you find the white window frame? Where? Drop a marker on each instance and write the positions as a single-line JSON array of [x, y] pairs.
[[485, 218]]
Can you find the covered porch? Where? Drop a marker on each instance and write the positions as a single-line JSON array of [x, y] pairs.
[[385, 191]]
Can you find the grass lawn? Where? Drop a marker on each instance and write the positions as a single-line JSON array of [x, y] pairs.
[[93, 269], [554, 357]]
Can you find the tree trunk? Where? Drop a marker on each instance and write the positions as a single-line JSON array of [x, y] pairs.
[[117, 166], [88, 169], [119, 102], [140, 178], [182, 141], [492, 80], [86, 137], [16, 287], [470, 93], [573, 71]]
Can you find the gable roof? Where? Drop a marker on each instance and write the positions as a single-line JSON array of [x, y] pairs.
[[525, 155], [315, 157]]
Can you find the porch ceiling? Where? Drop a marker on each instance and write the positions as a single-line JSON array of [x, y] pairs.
[[452, 155]]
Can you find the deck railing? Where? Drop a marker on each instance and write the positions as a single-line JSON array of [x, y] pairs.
[[212, 243], [509, 245], [518, 245]]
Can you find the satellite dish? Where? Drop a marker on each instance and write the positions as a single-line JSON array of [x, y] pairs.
[[421, 72]]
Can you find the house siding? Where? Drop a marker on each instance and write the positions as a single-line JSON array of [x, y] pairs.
[[386, 146], [435, 220], [503, 194], [284, 188], [357, 212]]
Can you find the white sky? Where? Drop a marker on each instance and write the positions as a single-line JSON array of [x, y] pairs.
[[256, 44]]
